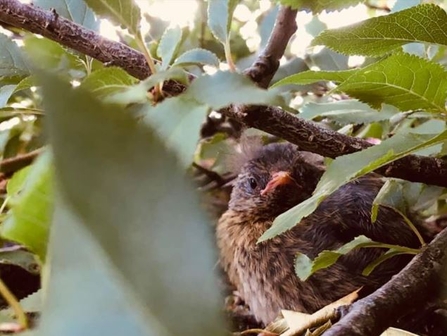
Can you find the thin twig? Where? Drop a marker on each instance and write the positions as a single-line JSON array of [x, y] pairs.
[[14, 304], [13, 164], [266, 64]]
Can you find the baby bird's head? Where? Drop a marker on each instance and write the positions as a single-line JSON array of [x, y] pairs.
[[275, 178]]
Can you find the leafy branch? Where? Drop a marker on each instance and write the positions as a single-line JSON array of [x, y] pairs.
[[390, 301], [273, 120]]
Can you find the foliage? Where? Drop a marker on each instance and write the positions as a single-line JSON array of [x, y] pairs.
[[127, 224]]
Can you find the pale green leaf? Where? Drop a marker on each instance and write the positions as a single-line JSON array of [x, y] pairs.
[[6, 92], [125, 201], [380, 35], [431, 126], [105, 305], [107, 81], [139, 93], [346, 112], [25, 83], [74, 10], [402, 80], [12, 62], [428, 196], [308, 77], [20, 257], [33, 303], [328, 60], [49, 54], [17, 181], [168, 46], [197, 56], [349, 167], [28, 222], [391, 194], [305, 267], [178, 120], [124, 13], [213, 91], [384, 257], [220, 15], [320, 5]]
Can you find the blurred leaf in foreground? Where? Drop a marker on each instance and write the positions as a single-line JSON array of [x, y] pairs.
[[130, 249]]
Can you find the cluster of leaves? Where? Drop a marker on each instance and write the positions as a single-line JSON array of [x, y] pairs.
[[119, 149], [400, 100], [120, 192]]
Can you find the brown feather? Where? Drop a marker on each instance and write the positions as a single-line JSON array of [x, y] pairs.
[[264, 273]]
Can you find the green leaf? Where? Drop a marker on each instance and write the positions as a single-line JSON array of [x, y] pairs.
[[308, 77], [430, 127], [105, 305], [197, 56], [349, 167], [402, 80], [107, 81], [146, 262], [384, 257], [20, 257], [51, 55], [428, 196], [16, 182], [220, 15], [124, 13], [168, 46], [178, 120], [12, 62], [25, 83], [391, 194], [28, 221], [6, 92], [346, 112], [139, 93], [213, 91], [33, 303], [305, 267], [380, 35], [328, 60], [320, 5], [76, 11]]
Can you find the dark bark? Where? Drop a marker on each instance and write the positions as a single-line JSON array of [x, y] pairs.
[[266, 64], [311, 137], [72, 35], [376, 312]]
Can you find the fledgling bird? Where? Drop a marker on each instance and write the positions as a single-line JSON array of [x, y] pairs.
[[275, 178]]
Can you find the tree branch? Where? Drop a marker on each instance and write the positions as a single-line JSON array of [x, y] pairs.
[[13, 164], [376, 312], [310, 137], [74, 36], [305, 134], [266, 64]]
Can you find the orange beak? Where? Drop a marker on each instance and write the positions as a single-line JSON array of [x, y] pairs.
[[278, 178]]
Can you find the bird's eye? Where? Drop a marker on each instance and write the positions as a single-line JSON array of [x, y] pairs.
[[252, 183]]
